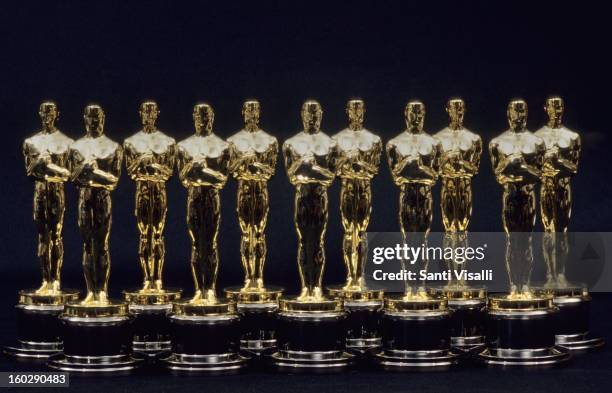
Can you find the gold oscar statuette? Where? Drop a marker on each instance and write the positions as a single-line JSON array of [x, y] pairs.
[[517, 157], [461, 150], [414, 161], [359, 152], [149, 159], [311, 161], [254, 153], [204, 327], [203, 164], [95, 329], [46, 163], [560, 165], [253, 163]]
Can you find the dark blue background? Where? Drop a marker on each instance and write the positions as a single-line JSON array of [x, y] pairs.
[[120, 53]]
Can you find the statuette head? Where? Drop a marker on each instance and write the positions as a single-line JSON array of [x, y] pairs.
[[554, 108], [203, 119], [455, 108], [48, 114], [251, 112], [414, 114], [94, 120], [311, 116], [517, 115], [355, 109], [149, 112]]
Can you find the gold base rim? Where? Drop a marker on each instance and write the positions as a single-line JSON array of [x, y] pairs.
[[202, 308], [31, 297], [293, 304], [152, 296], [501, 302], [400, 303], [573, 290], [366, 294], [269, 294], [96, 310], [459, 292]]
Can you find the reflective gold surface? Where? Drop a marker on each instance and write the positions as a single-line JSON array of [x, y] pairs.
[[95, 164], [149, 159], [361, 295], [517, 156], [46, 155], [418, 304], [96, 310], [541, 302], [560, 164], [321, 305], [203, 163], [459, 162], [56, 298], [265, 295], [414, 160], [359, 153], [460, 293], [254, 153], [139, 297], [203, 308], [311, 162]]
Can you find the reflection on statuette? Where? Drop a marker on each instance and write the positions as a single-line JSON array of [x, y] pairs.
[[359, 153], [46, 155], [517, 156], [311, 162], [560, 164], [149, 159], [459, 161], [254, 153], [413, 158], [203, 164], [95, 163]]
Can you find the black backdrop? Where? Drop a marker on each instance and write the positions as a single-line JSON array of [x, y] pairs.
[[120, 53]]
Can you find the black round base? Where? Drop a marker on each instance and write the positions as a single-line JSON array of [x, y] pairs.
[[579, 342], [151, 329], [523, 336], [119, 364], [227, 363], [416, 331], [96, 345], [205, 335], [468, 344], [205, 344], [467, 323], [416, 340], [258, 325], [311, 342], [363, 346], [32, 351], [311, 331], [546, 357], [96, 336], [573, 324], [521, 329], [362, 325], [403, 360], [38, 332], [311, 362]]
